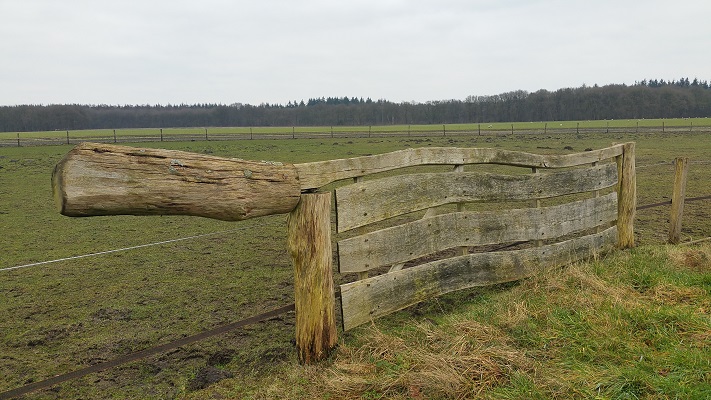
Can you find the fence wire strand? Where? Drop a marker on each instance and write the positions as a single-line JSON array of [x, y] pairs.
[[140, 246]]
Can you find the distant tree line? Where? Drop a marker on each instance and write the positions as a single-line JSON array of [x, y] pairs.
[[645, 99]]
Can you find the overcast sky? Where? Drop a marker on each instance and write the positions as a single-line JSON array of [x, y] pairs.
[[275, 51]]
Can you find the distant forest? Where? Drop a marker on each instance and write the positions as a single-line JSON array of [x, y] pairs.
[[645, 99]]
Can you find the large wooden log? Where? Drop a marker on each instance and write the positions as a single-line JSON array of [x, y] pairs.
[[317, 174], [103, 179], [309, 240], [371, 201], [415, 239], [365, 300]]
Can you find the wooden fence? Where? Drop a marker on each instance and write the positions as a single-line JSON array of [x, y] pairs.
[[598, 187], [145, 135]]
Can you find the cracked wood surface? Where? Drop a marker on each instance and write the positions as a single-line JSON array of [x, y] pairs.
[[103, 179]]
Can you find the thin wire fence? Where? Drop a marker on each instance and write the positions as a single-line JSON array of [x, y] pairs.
[[54, 138]]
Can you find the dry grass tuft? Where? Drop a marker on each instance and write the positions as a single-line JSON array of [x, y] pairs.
[[694, 258], [459, 361]]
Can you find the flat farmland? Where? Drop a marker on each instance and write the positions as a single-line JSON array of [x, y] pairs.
[[56, 317], [18, 139]]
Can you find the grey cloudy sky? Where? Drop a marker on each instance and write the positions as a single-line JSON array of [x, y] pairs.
[[275, 51]]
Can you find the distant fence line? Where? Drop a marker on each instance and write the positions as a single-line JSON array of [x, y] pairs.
[[265, 133]]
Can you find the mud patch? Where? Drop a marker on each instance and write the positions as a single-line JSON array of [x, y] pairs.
[[112, 314], [207, 376]]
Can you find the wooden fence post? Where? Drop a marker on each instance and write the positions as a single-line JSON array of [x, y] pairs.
[[309, 241], [627, 196], [679, 193]]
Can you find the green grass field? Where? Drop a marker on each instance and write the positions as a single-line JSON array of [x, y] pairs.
[[125, 135], [631, 325]]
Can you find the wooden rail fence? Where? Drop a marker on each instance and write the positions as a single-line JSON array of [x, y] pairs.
[[599, 188]]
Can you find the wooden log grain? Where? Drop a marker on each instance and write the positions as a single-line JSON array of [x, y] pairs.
[[681, 168], [371, 201], [627, 196], [309, 242], [415, 239], [365, 300], [104, 179], [319, 173]]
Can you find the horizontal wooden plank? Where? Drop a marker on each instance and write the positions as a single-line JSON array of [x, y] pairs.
[[429, 235], [371, 201], [104, 179], [380, 295], [316, 174]]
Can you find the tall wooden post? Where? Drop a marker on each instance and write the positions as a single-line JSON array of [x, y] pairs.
[[627, 196], [678, 195], [309, 241]]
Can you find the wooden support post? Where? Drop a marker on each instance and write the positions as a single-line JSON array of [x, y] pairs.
[[206, 134], [596, 193], [114, 135], [627, 196], [362, 274], [309, 240], [161, 134], [679, 193], [18, 139], [67, 137]]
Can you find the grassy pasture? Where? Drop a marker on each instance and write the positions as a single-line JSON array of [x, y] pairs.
[[57, 317], [125, 135]]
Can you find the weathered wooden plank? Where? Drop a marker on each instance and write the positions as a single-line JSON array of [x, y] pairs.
[[380, 295], [103, 179], [627, 204], [371, 201], [426, 236], [316, 174], [309, 240]]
